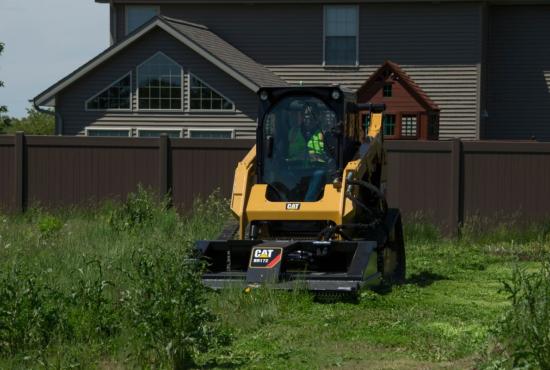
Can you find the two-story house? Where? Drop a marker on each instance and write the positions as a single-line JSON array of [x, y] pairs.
[[192, 68]]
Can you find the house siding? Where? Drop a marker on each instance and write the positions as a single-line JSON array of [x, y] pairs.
[[441, 50], [518, 96], [71, 101], [120, 21]]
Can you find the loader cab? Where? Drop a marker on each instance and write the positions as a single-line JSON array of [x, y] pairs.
[[305, 137]]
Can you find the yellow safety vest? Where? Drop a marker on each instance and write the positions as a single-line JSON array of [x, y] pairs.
[[316, 144]]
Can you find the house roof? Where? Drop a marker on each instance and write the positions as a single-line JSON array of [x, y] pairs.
[[195, 36], [407, 82], [225, 52]]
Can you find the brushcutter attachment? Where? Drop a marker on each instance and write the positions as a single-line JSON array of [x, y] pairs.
[[333, 266]]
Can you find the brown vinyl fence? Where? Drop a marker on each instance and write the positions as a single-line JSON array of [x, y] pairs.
[[446, 181]]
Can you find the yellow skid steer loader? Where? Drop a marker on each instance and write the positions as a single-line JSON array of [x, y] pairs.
[[309, 199]]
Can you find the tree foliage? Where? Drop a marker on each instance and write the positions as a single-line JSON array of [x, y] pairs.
[[35, 123]]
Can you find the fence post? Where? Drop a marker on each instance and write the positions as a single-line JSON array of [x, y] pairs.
[[455, 216], [19, 172], [164, 169]]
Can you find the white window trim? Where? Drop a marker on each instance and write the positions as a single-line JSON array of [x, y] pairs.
[[191, 129], [325, 8], [101, 128], [107, 88], [182, 109], [188, 106], [175, 129], [127, 6]]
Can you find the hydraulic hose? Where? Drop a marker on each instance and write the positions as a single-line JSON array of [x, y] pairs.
[[330, 231], [373, 190]]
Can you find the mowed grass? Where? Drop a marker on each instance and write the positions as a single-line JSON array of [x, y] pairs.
[[442, 318]]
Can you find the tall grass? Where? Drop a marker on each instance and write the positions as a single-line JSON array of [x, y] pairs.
[[522, 337], [118, 283], [119, 288]]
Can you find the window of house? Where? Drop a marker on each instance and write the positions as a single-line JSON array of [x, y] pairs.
[[388, 123], [117, 96], [211, 134], [341, 27], [408, 125], [159, 84], [154, 132], [108, 131], [204, 97], [387, 92], [137, 15]]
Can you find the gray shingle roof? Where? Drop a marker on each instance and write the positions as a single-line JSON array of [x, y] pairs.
[[226, 52]]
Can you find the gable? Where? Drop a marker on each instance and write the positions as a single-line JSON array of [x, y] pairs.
[[391, 73], [155, 43], [400, 100], [215, 51]]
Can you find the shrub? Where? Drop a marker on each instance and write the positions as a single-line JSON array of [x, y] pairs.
[[49, 226], [166, 307], [29, 312], [524, 332], [35, 123], [137, 212]]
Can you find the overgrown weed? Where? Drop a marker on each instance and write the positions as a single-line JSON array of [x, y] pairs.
[[73, 284], [522, 337], [119, 287]]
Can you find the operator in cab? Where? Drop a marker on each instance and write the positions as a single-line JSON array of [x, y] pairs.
[[300, 158], [306, 144]]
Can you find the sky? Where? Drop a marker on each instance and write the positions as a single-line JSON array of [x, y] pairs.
[[44, 41]]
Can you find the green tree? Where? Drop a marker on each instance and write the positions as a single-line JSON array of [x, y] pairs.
[[35, 123]]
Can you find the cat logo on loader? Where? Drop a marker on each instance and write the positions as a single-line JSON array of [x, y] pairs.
[[292, 206]]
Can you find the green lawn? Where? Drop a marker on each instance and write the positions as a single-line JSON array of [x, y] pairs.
[[440, 319]]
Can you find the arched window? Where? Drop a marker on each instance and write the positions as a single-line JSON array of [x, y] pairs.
[[159, 84], [117, 96], [204, 97]]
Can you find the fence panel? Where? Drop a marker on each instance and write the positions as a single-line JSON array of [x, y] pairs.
[[445, 181], [420, 179], [506, 178], [7, 172], [201, 166], [63, 171]]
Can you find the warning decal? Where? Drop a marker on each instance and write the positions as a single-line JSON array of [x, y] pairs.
[[265, 257]]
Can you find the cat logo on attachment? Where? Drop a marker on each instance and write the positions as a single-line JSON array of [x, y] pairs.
[[265, 257]]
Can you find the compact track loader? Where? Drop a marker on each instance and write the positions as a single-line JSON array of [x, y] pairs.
[[309, 199]]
